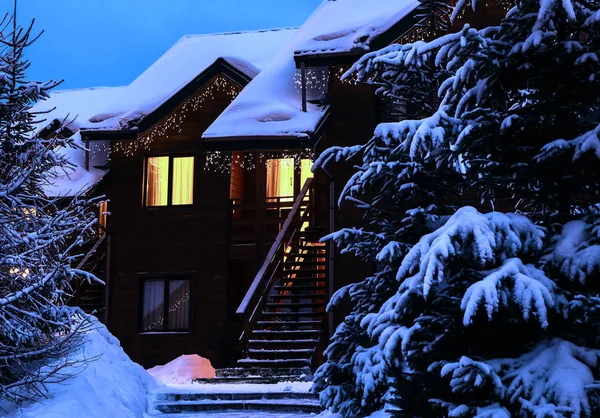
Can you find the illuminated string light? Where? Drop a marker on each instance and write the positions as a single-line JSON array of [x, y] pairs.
[[173, 122], [222, 162], [317, 80]]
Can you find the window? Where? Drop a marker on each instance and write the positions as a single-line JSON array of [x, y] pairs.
[[280, 178], [102, 215], [165, 304], [169, 181]]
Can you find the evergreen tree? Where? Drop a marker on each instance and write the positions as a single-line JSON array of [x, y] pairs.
[[40, 238], [485, 313]]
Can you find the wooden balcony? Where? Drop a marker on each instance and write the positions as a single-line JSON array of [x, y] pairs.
[[251, 219]]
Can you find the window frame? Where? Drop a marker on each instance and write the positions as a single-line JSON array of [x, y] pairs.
[[171, 157], [166, 278]]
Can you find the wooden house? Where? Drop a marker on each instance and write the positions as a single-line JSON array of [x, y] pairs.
[[212, 242]]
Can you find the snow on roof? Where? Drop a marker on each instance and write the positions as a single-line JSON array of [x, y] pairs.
[[72, 108], [270, 105], [183, 62], [350, 25]]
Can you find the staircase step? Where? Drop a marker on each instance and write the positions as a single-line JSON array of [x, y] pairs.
[[259, 405], [284, 334], [293, 314], [276, 363], [299, 296], [235, 396], [289, 323], [299, 288], [304, 271], [280, 354], [282, 344], [254, 372], [293, 263], [294, 305], [306, 255]]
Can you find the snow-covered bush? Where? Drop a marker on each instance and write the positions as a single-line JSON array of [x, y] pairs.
[[40, 238], [476, 312]]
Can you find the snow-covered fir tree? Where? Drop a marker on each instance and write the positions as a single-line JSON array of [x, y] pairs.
[[40, 238], [486, 224]]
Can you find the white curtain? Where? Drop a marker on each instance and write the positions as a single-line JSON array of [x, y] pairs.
[[179, 304], [154, 297]]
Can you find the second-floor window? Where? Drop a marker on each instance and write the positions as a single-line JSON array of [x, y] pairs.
[[169, 181]]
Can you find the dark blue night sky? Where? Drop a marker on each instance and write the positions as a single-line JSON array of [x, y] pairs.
[[110, 42]]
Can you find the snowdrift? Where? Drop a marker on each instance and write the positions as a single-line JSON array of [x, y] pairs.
[[183, 370], [110, 386]]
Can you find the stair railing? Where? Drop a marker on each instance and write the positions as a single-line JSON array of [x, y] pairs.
[[252, 305]]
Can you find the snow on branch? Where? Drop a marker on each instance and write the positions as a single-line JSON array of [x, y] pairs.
[[485, 239], [468, 375], [513, 282], [584, 144], [552, 380], [576, 251]]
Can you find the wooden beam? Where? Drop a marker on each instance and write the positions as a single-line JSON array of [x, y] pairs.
[[303, 77]]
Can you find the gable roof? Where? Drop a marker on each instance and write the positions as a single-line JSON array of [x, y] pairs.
[[71, 108], [247, 52], [352, 26], [269, 108]]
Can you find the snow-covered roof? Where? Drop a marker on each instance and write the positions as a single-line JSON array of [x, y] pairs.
[[248, 52], [270, 105], [342, 26], [72, 107]]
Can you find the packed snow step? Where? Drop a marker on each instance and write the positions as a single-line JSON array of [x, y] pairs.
[[280, 397]]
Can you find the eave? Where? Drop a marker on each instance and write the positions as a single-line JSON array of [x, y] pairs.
[[321, 59], [267, 142], [220, 66]]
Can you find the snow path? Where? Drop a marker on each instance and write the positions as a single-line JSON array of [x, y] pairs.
[[245, 414]]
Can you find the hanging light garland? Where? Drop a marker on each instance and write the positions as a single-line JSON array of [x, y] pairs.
[[317, 80], [173, 121], [222, 162]]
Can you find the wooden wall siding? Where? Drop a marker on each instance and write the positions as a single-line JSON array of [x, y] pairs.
[[352, 121], [171, 239], [236, 188]]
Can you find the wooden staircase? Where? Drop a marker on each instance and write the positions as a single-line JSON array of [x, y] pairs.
[[284, 309], [290, 325], [91, 297]]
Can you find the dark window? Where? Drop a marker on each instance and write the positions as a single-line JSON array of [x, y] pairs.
[[165, 304]]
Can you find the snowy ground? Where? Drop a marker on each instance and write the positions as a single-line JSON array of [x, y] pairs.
[[110, 386], [247, 414], [114, 386]]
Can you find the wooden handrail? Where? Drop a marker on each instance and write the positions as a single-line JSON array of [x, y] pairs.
[[92, 251], [259, 290]]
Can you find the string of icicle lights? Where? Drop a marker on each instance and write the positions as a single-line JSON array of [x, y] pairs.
[[222, 162], [173, 122]]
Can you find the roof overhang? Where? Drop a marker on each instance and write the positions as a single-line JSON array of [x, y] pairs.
[[220, 66], [270, 142], [320, 59]]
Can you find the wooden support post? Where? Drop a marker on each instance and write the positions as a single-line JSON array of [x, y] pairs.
[[107, 274], [331, 258], [87, 153], [260, 208], [303, 80]]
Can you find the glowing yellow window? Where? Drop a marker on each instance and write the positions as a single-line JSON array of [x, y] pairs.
[[183, 181], [169, 181], [280, 178], [305, 173], [157, 181]]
